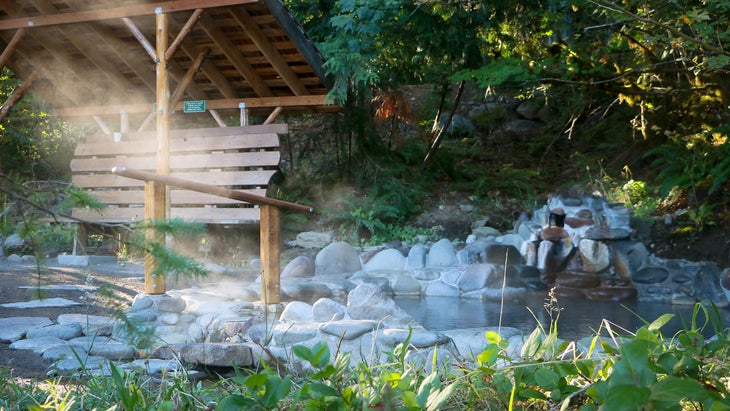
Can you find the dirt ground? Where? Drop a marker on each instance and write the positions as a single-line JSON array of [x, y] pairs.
[[122, 281]]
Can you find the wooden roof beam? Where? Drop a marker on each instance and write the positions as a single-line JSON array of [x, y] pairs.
[[183, 33], [251, 103], [236, 58], [145, 9], [81, 42], [183, 85], [208, 68], [10, 48], [269, 51]]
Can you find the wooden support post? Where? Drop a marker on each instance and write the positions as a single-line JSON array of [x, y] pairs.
[[156, 199], [244, 114], [270, 255]]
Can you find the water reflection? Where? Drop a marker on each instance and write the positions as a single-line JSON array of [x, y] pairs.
[[578, 318]]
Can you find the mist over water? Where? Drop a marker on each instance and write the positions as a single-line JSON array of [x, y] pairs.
[[578, 318]]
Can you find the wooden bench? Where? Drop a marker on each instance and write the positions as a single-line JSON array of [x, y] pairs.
[[237, 158]]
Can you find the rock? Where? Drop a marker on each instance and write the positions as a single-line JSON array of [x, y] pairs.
[[325, 309], [348, 329], [484, 232], [405, 285], [44, 302], [707, 284], [386, 260], [554, 234], [215, 354], [475, 277], [601, 233], [298, 312], [650, 275], [416, 257], [62, 331], [419, 339], [529, 109], [595, 255], [73, 260], [13, 243], [309, 291], [288, 334], [301, 266], [14, 328], [577, 280], [611, 293], [369, 302], [14, 258], [312, 239], [441, 289], [495, 253], [337, 258], [426, 274], [507, 293], [39, 344], [442, 254], [93, 325], [522, 126], [569, 293]]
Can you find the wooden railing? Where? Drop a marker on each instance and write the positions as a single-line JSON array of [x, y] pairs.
[[269, 228]]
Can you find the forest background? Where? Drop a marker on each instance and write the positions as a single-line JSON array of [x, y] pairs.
[[635, 93]]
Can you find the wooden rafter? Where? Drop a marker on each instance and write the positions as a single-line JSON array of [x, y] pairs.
[[146, 9], [236, 58], [97, 58], [268, 50]]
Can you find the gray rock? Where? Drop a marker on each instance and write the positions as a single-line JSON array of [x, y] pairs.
[[495, 253], [651, 275], [14, 328], [418, 339], [426, 274], [169, 304], [59, 352], [288, 334], [337, 258], [301, 266], [521, 126], [14, 258], [13, 242], [312, 239], [442, 254], [386, 260], [308, 291], [348, 329], [325, 309], [594, 255], [62, 331], [441, 289], [44, 302], [416, 257], [405, 285], [113, 350], [38, 344], [298, 312], [217, 354], [93, 325], [475, 277]]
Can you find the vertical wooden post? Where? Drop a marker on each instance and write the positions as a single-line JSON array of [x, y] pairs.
[[156, 203], [270, 254]]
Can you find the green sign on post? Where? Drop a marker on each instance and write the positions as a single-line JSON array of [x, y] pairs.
[[195, 106]]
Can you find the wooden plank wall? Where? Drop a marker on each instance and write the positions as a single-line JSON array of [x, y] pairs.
[[238, 158]]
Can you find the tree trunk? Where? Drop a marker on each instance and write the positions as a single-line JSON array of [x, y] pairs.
[[442, 132]]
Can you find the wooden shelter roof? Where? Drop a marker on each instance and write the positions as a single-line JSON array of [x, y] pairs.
[[97, 57]]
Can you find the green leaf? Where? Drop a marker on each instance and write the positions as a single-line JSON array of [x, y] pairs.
[[672, 389], [626, 398], [546, 378], [660, 322], [532, 345]]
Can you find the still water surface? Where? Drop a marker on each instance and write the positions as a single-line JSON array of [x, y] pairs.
[[578, 318]]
